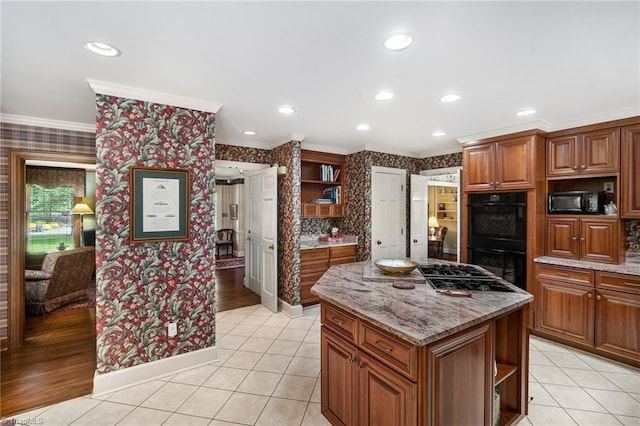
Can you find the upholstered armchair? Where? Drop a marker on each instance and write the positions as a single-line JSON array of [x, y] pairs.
[[64, 278]]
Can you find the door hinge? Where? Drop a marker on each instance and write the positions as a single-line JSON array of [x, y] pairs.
[[401, 231], [401, 187]]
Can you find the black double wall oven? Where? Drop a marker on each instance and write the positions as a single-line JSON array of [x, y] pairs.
[[497, 234]]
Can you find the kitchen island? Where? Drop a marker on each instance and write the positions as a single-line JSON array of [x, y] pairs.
[[400, 357]]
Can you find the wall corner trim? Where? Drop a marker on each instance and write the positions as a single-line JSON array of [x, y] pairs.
[[294, 311], [110, 382], [130, 92]]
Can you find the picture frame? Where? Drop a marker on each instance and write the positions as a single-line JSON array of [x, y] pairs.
[[159, 204], [234, 211]]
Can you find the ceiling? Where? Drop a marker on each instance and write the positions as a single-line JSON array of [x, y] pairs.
[[574, 62]]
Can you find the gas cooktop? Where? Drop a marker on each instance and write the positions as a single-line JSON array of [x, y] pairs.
[[461, 277]]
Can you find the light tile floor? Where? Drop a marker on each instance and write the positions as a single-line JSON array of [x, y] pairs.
[[268, 374]]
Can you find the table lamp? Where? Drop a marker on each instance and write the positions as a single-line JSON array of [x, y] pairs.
[[433, 223], [81, 209]]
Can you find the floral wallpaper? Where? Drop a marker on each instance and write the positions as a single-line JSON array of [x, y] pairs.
[[320, 225], [440, 161], [633, 235], [142, 287], [243, 154], [19, 136], [289, 230]]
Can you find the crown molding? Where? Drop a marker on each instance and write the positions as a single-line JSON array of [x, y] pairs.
[[45, 122], [382, 149], [599, 118], [288, 138], [427, 154], [325, 148], [529, 125], [246, 144], [130, 92]]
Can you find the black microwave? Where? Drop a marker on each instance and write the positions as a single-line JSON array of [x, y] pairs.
[[576, 202]]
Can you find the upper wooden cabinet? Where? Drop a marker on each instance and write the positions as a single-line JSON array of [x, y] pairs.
[[508, 164], [322, 176], [630, 173], [587, 238], [596, 152]]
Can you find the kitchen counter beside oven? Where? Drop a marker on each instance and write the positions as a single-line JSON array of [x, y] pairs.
[[401, 357]]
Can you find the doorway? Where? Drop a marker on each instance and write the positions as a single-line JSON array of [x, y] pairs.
[[388, 213]]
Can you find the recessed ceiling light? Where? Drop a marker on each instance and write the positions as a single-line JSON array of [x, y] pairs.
[[286, 109], [101, 48], [438, 133], [525, 112], [384, 96], [363, 127], [451, 97], [250, 132], [398, 41]]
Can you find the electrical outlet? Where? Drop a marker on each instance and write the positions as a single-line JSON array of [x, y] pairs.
[[608, 187], [172, 329]]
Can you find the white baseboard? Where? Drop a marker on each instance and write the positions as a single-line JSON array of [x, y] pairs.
[[294, 311], [120, 379], [238, 253]]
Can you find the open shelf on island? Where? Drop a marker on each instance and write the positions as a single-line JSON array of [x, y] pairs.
[[504, 372]]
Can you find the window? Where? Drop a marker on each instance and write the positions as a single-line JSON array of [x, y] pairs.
[[49, 220]]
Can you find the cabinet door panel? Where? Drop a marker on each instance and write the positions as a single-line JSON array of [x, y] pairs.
[[478, 167], [618, 323], [515, 168], [461, 387], [386, 398], [562, 237], [561, 156], [599, 240], [600, 152], [338, 379], [566, 310], [630, 173]]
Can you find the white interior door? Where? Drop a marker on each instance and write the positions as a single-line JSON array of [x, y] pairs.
[[253, 225], [419, 218], [269, 238], [388, 213]]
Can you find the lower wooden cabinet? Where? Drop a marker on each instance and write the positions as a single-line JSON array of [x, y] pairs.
[[371, 377], [594, 310], [315, 262]]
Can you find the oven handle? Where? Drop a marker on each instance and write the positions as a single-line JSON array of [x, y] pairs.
[[483, 250], [497, 204]]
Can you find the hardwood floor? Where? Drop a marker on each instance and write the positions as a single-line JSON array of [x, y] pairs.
[[230, 293], [58, 359], [56, 362]]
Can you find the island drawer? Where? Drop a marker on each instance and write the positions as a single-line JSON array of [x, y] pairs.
[[390, 349], [314, 254], [618, 282], [564, 274], [339, 321]]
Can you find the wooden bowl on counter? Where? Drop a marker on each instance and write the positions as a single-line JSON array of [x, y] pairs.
[[396, 266]]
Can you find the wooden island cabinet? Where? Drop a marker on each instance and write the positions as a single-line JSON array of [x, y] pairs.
[[381, 364]]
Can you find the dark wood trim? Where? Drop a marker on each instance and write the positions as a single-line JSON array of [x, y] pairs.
[[596, 126], [17, 221]]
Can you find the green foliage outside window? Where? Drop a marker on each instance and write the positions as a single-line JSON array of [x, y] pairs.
[[49, 222]]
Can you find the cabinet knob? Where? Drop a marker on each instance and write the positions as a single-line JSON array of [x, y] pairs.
[[359, 366], [574, 238], [582, 166], [378, 242], [589, 295], [581, 238], [598, 297], [575, 167]]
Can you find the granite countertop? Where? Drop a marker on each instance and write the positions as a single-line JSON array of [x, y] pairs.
[[630, 268], [312, 242], [420, 315]]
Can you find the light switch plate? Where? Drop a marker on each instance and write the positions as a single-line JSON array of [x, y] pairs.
[[173, 329]]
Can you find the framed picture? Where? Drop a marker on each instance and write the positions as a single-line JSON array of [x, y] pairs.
[[234, 211], [159, 204]]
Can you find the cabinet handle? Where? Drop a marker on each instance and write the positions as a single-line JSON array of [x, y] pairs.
[[598, 297], [589, 295], [583, 166], [574, 238], [384, 347], [351, 360], [575, 167], [359, 366], [337, 320], [581, 238], [562, 274]]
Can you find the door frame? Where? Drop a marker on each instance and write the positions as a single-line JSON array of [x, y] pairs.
[[17, 224]]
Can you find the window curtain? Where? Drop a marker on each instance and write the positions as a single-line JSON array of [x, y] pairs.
[[53, 177]]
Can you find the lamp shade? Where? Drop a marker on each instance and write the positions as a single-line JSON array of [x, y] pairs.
[[81, 208], [433, 222]]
